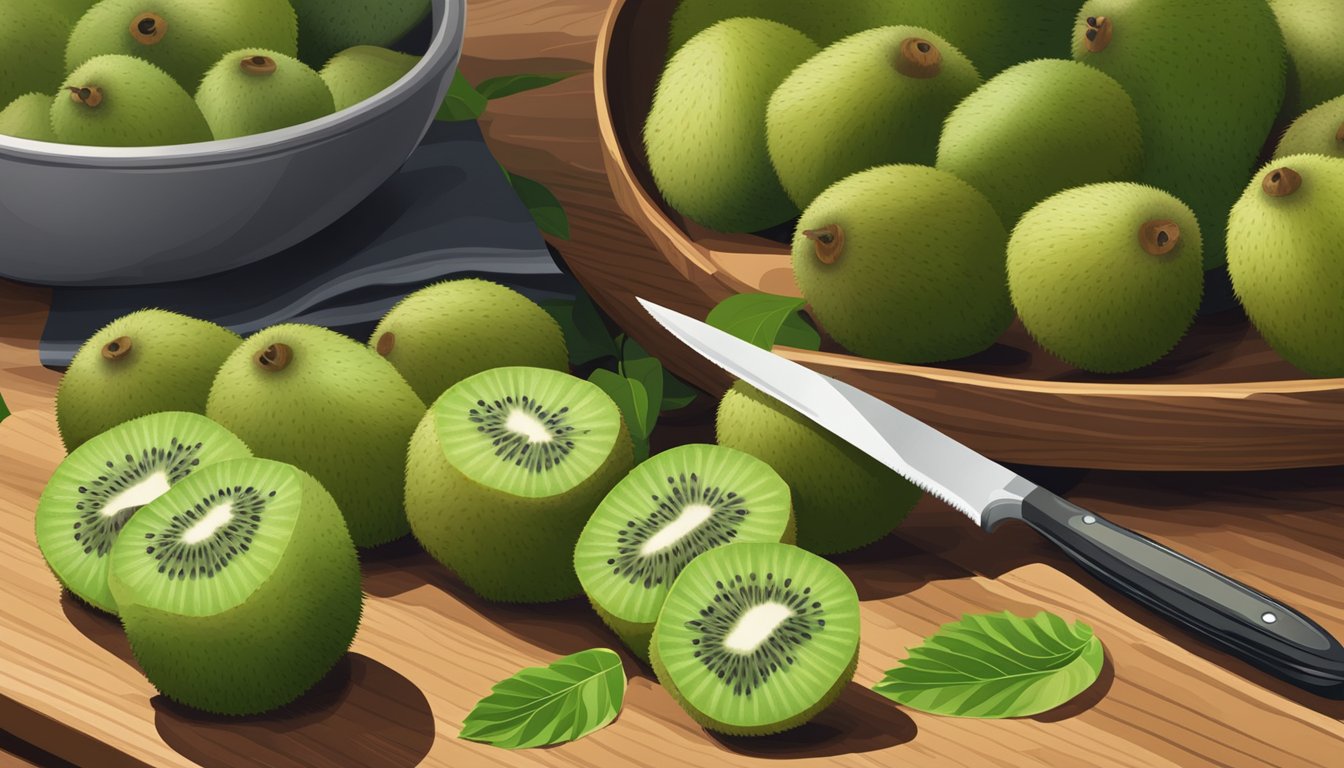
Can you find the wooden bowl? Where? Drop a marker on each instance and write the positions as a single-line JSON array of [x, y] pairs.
[[1222, 401]]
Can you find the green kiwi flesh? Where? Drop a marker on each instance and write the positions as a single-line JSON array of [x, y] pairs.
[[756, 639], [102, 484], [673, 507], [239, 588]]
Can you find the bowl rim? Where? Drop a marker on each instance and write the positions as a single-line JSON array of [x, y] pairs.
[[445, 47]]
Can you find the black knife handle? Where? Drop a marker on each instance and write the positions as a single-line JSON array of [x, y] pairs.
[[1251, 625]]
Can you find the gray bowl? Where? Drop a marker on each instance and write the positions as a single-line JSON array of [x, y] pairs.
[[109, 216]]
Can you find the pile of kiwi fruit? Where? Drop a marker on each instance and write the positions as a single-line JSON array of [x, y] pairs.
[[218, 491], [1089, 168], [138, 73]]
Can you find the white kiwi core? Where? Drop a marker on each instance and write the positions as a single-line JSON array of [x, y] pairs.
[[690, 518], [216, 518], [138, 495], [529, 426], [755, 627]]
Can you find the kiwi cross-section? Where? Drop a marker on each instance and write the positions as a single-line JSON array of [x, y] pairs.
[[99, 486], [239, 587], [503, 472], [757, 638], [670, 509]]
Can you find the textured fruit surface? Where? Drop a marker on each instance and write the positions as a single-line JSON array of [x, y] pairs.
[[671, 508], [330, 406], [842, 498], [32, 37], [101, 485], [1040, 128], [904, 263], [255, 90], [72, 9], [145, 362], [184, 37], [875, 98], [442, 334], [1207, 77], [1311, 30], [122, 101], [1285, 237], [326, 27], [358, 73], [503, 472], [1318, 132], [757, 638], [28, 117], [239, 587], [1107, 277], [705, 134]]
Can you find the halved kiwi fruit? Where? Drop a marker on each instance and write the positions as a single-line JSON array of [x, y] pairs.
[[670, 509], [239, 587], [757, 638], [503, 472], [100, 485]]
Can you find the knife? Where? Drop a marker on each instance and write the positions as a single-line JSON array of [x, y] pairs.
[[1251, 625]]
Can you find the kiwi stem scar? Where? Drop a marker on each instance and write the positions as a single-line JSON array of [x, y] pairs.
[[756, 626], [529, 426], [692, 517], [217, 518], [138, 495]]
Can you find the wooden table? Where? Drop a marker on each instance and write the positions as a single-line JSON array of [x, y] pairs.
[[428, 649]]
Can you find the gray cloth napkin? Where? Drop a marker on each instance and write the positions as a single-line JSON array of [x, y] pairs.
[[448, 213]]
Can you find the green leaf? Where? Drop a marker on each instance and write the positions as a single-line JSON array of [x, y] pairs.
[[462, 102], [633, 400], [543, 206], [639, 365], [677, 394], [508, 85], [997, 665], [4, 409], [586, 334], [764, 320], [540, 706]]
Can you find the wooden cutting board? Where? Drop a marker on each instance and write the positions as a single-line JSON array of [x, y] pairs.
[[428, 649]]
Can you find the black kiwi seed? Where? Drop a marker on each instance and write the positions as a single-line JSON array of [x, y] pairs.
[[179, 559], [745, 673], [96, 531], [492, 420], [663, 566]]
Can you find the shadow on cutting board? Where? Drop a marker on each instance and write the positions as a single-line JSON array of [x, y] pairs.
[[858, 721]]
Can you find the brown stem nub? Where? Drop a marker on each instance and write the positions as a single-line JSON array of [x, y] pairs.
[[1282, 182], [1159, 238], [386, 343], [828, 242], [258, 65], [1099, 32], [919, 58], [149, 28], [89, 95], [275, 357], [117, 348]]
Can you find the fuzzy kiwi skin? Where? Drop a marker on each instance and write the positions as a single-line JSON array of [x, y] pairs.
[[1318, 132], [1039, 128], [1208, 80], [451, 330], [199, 33], [326, 27], [268, 651], [28, 117], [31, 40], [338, 411], [1284, 259], [506, 548], [73, 9], [920, 277], [1316, 61], [363, 71], [170, 367], [842, 499], [141, 107], [1087, 290], [236, 103], [705, 133], [849, 108]]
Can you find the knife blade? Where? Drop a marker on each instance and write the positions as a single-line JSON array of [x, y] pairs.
[[1225, 612]]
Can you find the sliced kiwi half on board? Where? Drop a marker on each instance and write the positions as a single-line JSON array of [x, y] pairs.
[[104, 481], [239, 587], [670, 509], [503, 472], [757, 638]]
